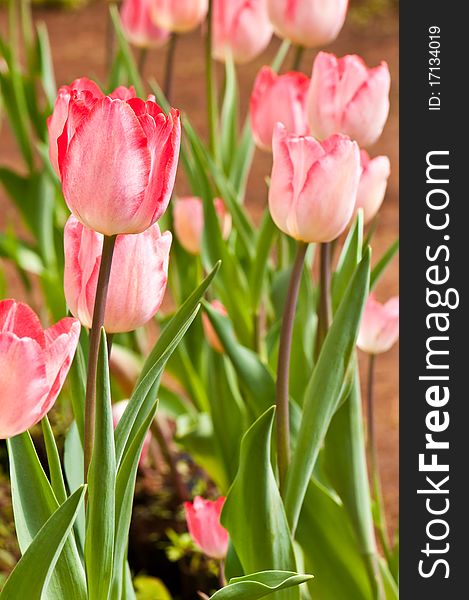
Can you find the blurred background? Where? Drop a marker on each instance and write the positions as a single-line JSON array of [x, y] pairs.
[[77, 31]]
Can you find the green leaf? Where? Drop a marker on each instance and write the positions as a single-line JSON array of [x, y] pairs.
[[126, 53], [381, 265], [253, 512], [229, 114], [150, 588], [46, 65], [33, 572], [74, 470], [323, 392], [265, 240], [100, 524], [53, 459], [350, 257], [259, 585], [33, 503]]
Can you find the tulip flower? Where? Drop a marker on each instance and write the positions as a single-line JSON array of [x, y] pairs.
[[308, 23], [118, 409], [209, 331], [188, 214], [347, 97], [116, 155], [278, 98], [313, 186], [373, 183], [33, 365], [203, 522], [241, 29], [179, 16], [379, 329], [138, 277], [138, 27]]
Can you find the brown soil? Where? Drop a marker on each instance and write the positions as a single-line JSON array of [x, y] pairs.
[[77, 40]]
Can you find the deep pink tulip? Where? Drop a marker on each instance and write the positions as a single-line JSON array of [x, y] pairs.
[[313, 187], [118, 409], [308, 23], [117, 156], [138, 27], [179, 16], [346, 96], [278, 98], [138, 275], [33, 365], [379, 329], [373, 183], [188, 214], [240, 28], [209, 331], [203, 522]]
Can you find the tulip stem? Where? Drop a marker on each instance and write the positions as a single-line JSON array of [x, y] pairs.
[[142, 59], [221, 573], [169, 68], [210, 82], [373, 462], [283, 369], [94, 340], [325, 300], [297, 58]]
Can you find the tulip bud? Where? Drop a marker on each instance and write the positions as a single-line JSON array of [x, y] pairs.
[[241, 29], [373, 183], [209, 331], [308, 23], [188, 214], [379, 329], [118, 409], [278, 99], [179, 16], [116, 155], [138, 276], [313, 187], [33, 365], [347, 97], [138, 26], [203, 522]]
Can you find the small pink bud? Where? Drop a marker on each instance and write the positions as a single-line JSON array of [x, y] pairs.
[[203, 522], [210, 334], [379, 329]]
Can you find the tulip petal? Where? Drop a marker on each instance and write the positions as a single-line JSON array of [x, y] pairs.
[[20, 319]]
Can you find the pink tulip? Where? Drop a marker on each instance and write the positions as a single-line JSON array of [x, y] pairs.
[[33, 365], [346, 96], [241, 29], [117, 156], [278, 98], [118, 409], [138, 275], [313, 187], [188, 214], [209, 331], [379, 329], [179, 15], [138, 26], [203, 522], [373, 183], [308, 23]]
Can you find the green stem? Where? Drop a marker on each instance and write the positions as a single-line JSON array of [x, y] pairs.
[[325, 300], [221, 573], [169, 68], [94, 340], [283, 369], [297, 58], [211, 85]]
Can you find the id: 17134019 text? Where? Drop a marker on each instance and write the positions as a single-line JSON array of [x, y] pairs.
[[434, 67]]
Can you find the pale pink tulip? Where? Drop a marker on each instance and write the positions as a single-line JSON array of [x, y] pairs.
[[179, 16], [138, 275], [346, 96], [138, 27], [209, 331], [116, 155], [278, 98], [241, 29], [188, 214], [118, 409], [33, 365], [203, 522], [373, 183], [379, 329], [313, 187], [308, 23]]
